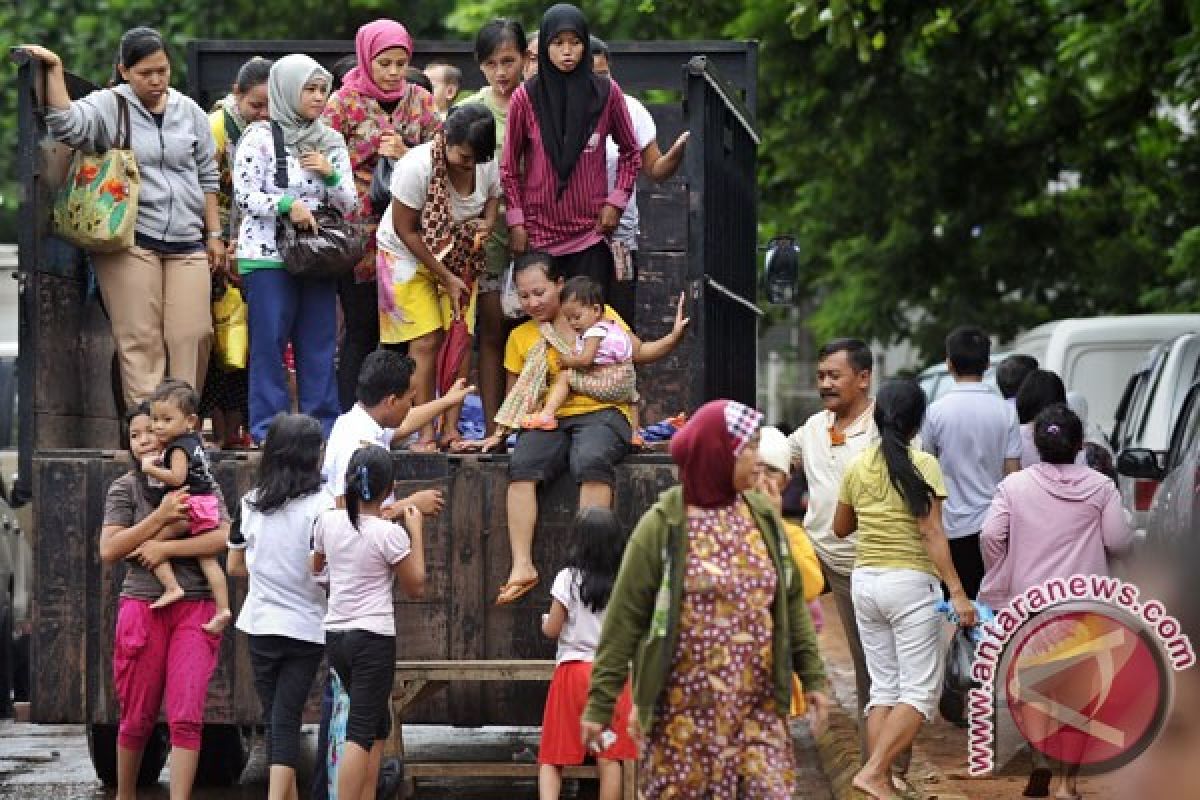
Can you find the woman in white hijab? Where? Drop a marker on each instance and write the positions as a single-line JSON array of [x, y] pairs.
[[282, 307]]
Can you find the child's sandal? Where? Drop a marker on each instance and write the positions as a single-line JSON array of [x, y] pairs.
[[539, 422]]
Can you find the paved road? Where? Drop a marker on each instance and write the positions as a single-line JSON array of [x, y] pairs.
[[50, 762]]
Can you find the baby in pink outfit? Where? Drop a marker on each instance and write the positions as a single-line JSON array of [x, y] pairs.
[[602, 364]]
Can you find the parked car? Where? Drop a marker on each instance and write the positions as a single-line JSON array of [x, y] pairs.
[[936, 380], [16, 572], [1095, 356], [1147, 412], [1176, 507]]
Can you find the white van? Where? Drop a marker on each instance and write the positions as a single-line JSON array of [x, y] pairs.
[[1147, 412], [1095, 356]]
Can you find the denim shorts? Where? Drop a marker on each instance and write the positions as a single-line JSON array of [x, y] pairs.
[[590, 445]]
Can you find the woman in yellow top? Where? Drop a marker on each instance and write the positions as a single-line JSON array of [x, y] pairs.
[[225, 391], [892, 495], [592, 436]]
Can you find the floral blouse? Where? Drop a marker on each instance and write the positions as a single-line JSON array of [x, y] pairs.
[[258, 197], [362, 121]]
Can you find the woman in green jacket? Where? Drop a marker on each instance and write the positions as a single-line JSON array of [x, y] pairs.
[[710, 610]]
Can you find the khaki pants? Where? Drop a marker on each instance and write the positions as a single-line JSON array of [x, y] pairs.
[[161, 316]]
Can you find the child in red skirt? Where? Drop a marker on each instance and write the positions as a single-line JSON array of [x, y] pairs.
[[580, 595]]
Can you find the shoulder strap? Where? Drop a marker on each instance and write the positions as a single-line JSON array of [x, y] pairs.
[[281, 170], [125, 142], [232, 131]]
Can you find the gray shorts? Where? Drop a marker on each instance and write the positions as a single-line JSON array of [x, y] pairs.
[[590, 445]]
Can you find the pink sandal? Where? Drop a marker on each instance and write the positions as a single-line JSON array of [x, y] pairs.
[[539, 422]]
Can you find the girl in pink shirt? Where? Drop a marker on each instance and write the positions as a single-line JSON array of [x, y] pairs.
[[363, 551], [553, 170], [1051, 520]]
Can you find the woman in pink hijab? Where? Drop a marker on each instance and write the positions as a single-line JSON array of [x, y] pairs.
[[380, 114]]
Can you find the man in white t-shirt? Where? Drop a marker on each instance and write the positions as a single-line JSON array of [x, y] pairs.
[[973, 431], [656, 165]]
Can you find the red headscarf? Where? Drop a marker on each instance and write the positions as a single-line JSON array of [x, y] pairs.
[[371, 40], [707, 449]]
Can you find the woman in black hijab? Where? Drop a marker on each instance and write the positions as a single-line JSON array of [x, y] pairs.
[[553, 168]]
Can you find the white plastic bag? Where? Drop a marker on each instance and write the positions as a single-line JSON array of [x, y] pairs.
[[510, 303]]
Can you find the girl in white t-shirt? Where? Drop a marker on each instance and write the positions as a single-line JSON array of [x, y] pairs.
[[363, 552], [580, 594], [284, 605], [445, 197]]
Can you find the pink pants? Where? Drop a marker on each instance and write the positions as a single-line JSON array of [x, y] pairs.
[[163, 653], [204, 513]]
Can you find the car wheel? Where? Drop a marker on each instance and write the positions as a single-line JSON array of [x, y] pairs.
[[224, 751], [102, 747]]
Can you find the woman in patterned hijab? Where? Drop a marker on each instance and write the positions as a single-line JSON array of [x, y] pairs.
[[710, 609]]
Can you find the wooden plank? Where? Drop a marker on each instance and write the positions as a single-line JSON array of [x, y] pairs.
[[488, 769], [475, 670], [666, 385], [663, 215], [60, 548], [467, 524]]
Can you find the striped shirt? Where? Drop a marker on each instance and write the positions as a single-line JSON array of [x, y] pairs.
[[567, 224]]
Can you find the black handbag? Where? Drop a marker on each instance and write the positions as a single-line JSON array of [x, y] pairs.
[[329, 253], [380, 193], [958, 681]]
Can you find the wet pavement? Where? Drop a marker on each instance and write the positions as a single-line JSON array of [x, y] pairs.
[[50, 762]]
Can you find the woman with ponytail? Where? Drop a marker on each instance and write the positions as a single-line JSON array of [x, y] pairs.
[[892, 496], [363, 552]]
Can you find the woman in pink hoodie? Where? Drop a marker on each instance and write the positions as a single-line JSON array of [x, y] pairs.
[[1051, 520]]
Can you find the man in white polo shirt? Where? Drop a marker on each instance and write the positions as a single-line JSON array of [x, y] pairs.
[[824, 446], [973, 431]]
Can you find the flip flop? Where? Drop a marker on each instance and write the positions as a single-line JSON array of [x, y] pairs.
[[512, 592]]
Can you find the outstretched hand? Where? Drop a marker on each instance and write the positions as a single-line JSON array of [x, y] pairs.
[[42, 54], [673, 157], [681, 321], [459, 391]]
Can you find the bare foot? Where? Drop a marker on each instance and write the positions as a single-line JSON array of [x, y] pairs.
[[218, 623], [168, 596], [874, 786]]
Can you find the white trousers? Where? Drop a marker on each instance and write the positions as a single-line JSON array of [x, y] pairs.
[[901, 635]]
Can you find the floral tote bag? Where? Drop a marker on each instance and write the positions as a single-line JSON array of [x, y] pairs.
[[96, 209]]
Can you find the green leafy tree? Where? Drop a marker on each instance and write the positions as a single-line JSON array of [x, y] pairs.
[[994, 163]]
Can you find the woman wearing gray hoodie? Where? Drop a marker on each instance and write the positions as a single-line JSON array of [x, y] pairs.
[[156, 292]]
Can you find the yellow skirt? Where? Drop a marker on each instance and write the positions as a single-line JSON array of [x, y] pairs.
[[410, 309]]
